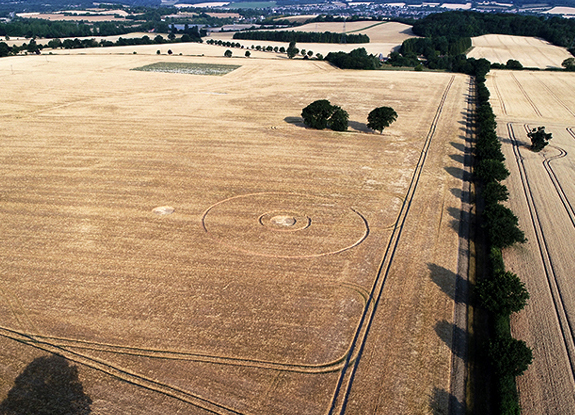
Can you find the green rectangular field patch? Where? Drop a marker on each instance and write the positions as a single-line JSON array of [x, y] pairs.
[[188, 68]]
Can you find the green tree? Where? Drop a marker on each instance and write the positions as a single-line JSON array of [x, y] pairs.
[[228, 53], [502, 226], [381, 117], [495, 192], [509, 356], [491, 170], [338, 120], [539, 138], [569, 64], [292, 51], [4, 49], [513, 64], [317, 114], [503, 294]]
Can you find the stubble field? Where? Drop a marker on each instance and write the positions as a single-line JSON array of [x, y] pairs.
[[531, 52], [301, 271], [543, 197]]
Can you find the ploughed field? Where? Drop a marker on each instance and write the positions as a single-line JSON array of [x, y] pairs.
[[190, 247], [543, 197]]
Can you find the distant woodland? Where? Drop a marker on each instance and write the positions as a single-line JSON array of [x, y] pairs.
[[302, 37]]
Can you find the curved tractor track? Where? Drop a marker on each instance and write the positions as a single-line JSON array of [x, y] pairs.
[[565, 325], [347, 375]]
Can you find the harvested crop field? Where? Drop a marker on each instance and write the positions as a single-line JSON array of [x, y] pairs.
[[543, 197], [385, 37], [531, 52], [190, 247]]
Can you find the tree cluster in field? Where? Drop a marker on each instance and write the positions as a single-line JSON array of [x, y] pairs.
[[433, 59], [356, 59], [33, 47], [557, 30], [322, 114], [500, 292], [302, 37]]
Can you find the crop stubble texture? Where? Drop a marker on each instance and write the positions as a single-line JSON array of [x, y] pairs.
[[542, 196], [216, 307]]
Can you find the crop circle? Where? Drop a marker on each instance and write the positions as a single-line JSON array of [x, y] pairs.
[[285, 225]]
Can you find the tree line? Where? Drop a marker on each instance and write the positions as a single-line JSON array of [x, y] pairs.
[[500, 292], [33, 47], [301, 37]]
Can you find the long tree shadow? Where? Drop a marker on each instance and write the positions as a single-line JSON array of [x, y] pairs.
[[450, 283], [453, 336], [442, 402], [47, 386]]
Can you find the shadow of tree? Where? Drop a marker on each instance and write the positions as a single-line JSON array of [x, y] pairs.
[[47, 386], [295, 121], [443, 403], [360, 126], [450, 283], [452, 336]]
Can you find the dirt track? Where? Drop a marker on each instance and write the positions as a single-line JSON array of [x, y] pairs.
[[235, 301]]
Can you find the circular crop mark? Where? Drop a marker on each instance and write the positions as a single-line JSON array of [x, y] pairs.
[[284, 221], [285, 225]]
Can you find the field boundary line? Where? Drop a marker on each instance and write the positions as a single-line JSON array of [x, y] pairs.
[[560, 312], [346, 378]]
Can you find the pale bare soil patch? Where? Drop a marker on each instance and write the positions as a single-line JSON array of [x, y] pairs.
[[531, 52], [543, 196], [246, 298]]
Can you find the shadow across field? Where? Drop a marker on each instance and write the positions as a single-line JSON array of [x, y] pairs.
[[450, 283], [442, 402], [47, 386], [454, 337], [295, 121], [354, 125]]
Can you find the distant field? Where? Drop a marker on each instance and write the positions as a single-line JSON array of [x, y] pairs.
[[192, 248], [531, 52], [251, 5], [384, 37]]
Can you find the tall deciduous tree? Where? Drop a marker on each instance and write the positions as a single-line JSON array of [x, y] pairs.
[[338, 120], [503, 294], [380, 118], [317, 114]]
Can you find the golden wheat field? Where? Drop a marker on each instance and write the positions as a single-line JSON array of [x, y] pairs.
[[543, 197], [190, 247], [530, 51], [384, 37]]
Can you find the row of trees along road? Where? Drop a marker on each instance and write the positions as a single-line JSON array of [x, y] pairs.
[[500, 292], [322, 114]]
